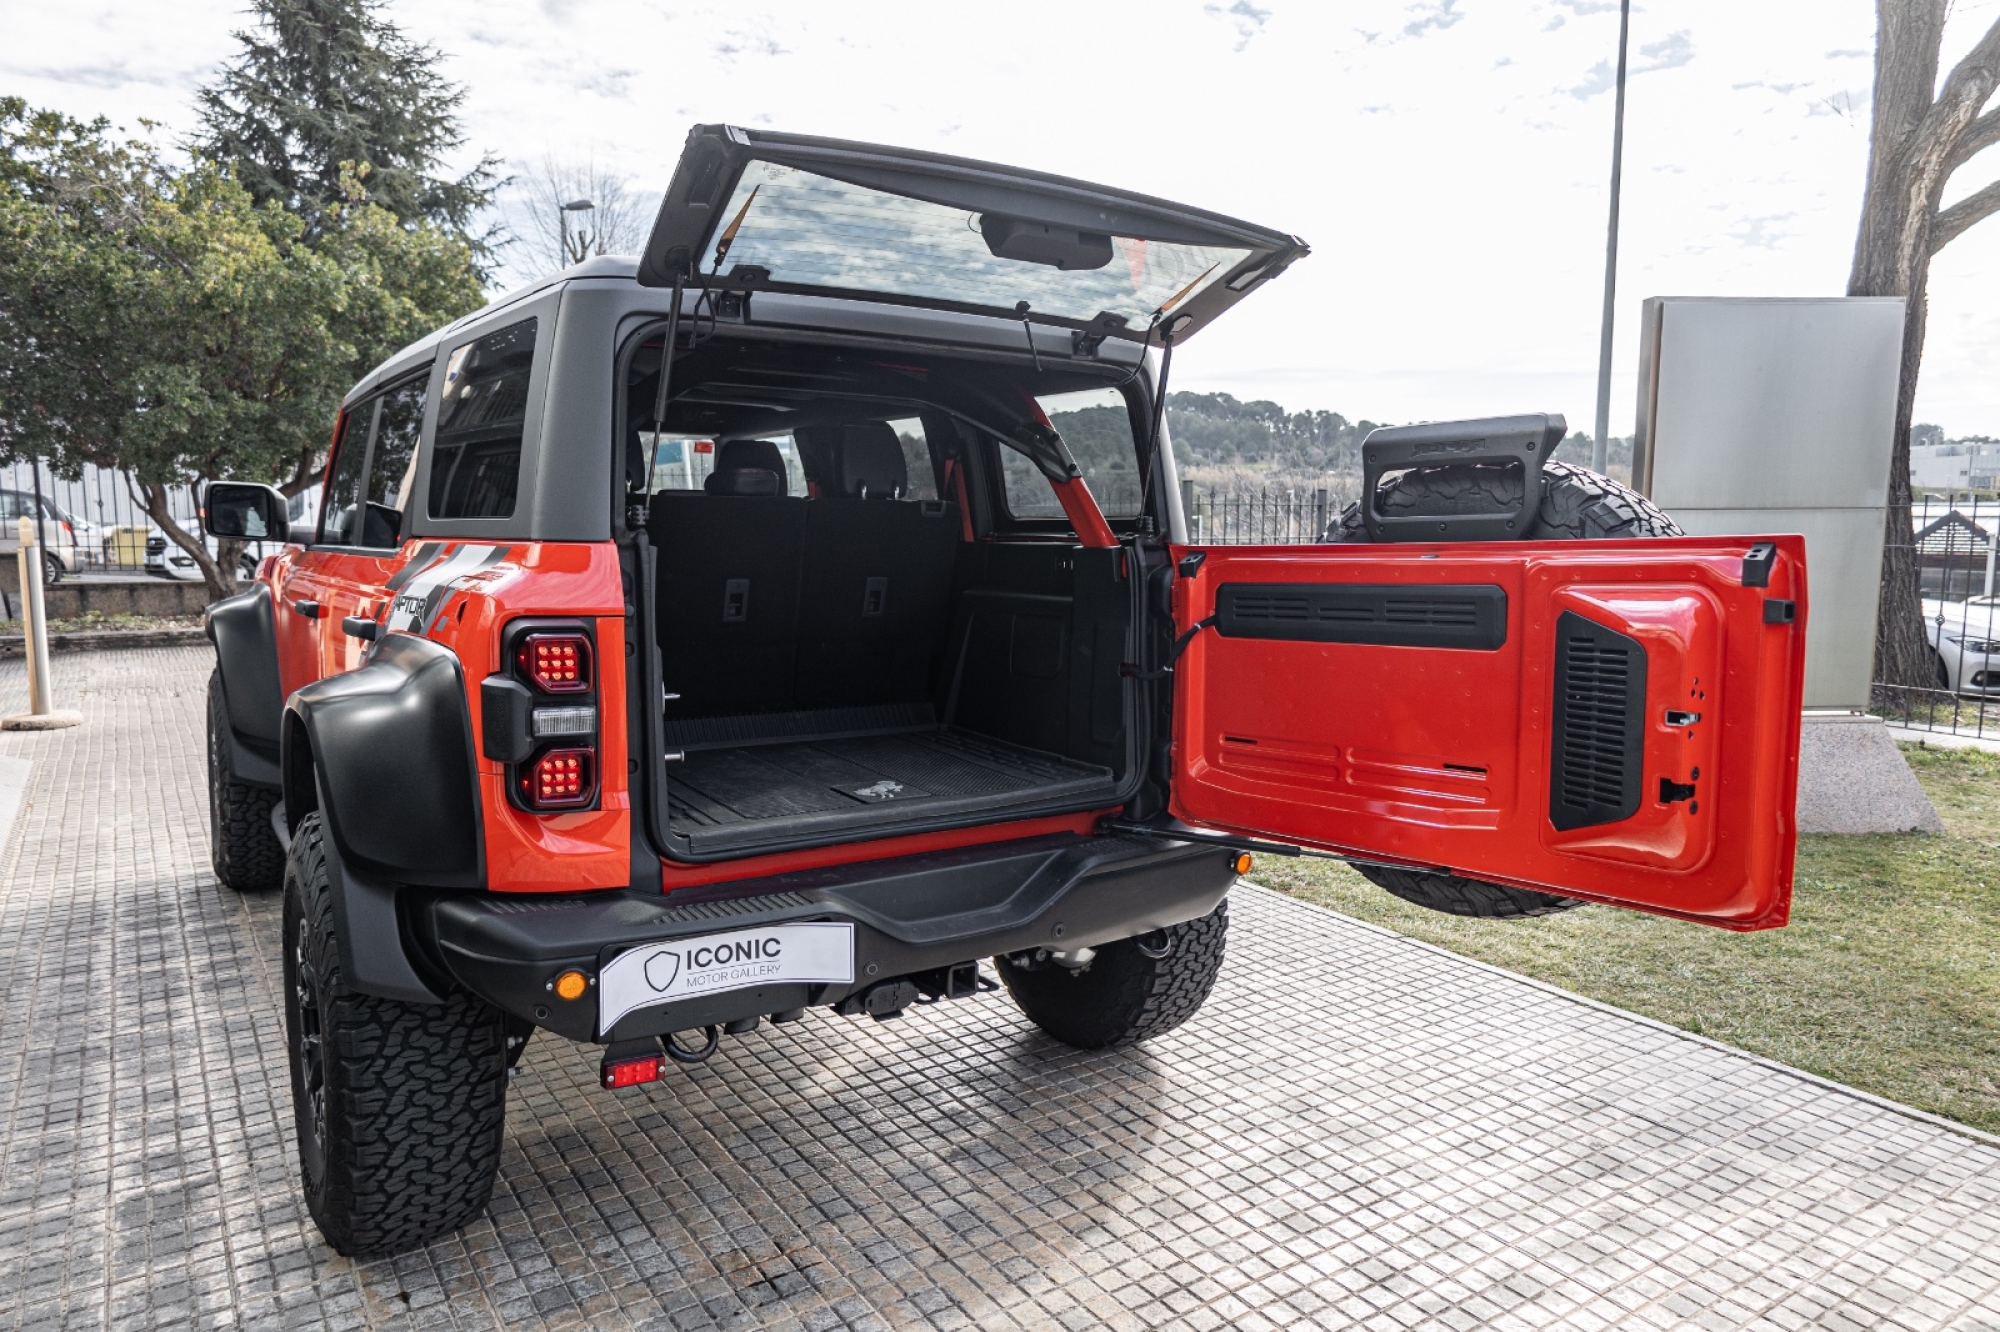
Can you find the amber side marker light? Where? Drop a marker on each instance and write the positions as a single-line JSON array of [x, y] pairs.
[[1243, 862], [571, 985]]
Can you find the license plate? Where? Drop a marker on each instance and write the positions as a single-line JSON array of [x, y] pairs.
[[677, 969]]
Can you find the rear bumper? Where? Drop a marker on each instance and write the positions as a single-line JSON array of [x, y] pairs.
[[910, 915]]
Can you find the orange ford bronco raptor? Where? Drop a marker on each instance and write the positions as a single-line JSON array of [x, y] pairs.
[[805, 612]]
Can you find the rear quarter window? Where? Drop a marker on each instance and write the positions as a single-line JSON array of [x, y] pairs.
[[476, 463], [1097, 426]]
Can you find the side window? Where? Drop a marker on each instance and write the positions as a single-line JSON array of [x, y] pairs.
[[340, 507], [1097, 426], [476, 461], [678, 462], [392, 467], [916, 459]]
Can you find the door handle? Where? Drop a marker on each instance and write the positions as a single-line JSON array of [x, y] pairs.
[[310, 609], [361, 627]]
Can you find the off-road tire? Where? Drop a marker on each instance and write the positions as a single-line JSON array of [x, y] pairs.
[[242, 845], [1123, 995], [1464, 897], [399, 1107], [1577, 505]]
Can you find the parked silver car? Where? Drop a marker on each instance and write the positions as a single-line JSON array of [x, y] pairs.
[[60, 554]]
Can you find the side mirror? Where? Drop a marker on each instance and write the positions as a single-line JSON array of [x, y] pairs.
[[244, 511]]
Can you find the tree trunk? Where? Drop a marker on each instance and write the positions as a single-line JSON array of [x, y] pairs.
[[1903, 654], [1891, 261], [219, 575], [1911, 150]]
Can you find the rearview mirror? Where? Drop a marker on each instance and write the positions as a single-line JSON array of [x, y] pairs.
[[244, 511]]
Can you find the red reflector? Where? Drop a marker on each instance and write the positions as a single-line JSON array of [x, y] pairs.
[[556, 663], [561, 778], [632, 1072]]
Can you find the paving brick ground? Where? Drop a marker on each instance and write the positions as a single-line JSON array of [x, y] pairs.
[[1356, 1131]]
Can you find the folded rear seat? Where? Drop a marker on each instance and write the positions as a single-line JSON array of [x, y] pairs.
[[875, 592], [728, 585]]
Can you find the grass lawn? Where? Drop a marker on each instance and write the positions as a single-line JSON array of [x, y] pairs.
[[1888, 977]]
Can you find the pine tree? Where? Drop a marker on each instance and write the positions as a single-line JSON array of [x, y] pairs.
[[322, 83]]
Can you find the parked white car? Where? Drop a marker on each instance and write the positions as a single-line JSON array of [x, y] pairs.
[[165, 559], [1966, 637]]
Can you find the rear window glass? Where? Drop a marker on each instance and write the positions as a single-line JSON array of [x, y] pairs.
[[685, 462], [476, 465], [806, 229], [1098, 429]]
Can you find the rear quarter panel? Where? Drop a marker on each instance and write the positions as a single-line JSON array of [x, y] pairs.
[[572, 580]]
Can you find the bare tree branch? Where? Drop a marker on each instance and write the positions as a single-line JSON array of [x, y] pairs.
[[1982, 134], [1927, 159], [614, 224], [1967, 211]]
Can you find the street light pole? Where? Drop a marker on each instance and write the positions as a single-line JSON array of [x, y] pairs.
[[1600, 445], [562, 220]]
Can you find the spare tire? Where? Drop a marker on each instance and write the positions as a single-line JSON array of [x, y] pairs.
[[1577, 505]]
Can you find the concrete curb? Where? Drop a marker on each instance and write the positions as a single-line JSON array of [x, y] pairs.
[[100, 640], [1990, 742]]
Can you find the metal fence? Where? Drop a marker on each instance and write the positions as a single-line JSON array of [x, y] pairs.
[[1940, 711], [1266, 517], [108, 525], [1952, 541], [1953, 535]]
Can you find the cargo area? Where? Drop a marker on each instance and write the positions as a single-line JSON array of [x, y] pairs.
[[872, 621]]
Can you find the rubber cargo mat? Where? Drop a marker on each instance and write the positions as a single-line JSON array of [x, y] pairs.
[[720, 798]]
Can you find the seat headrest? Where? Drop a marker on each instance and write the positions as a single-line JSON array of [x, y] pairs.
[[743, 481], [751, 453], [868, 461]]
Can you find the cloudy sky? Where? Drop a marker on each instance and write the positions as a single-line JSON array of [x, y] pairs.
[[1446, 159]]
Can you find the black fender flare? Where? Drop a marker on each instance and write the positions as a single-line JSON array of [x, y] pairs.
[[243, 629], [385, 754]]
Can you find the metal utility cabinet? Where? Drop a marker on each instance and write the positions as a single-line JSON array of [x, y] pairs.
[[1775, 415]]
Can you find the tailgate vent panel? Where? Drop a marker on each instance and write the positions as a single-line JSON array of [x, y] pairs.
[[1471, 616], [1600, 711]]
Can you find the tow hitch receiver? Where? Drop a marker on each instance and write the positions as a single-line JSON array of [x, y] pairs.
[[959, 982]]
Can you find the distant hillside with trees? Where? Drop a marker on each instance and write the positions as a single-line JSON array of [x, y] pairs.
[[1225, 444]]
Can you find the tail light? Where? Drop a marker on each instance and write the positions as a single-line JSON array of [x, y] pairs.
[[69, 532], [630, 1072], [555, 663], [561, 779]]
